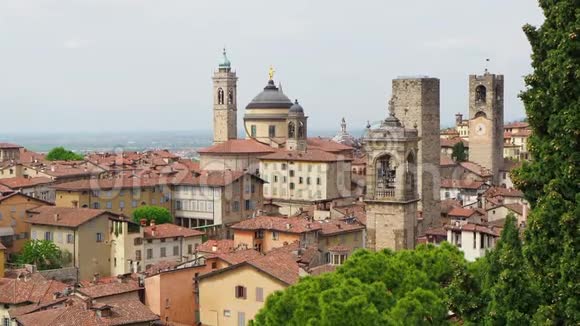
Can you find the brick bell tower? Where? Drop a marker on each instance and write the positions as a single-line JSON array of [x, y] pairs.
[[486, 122], [392, 194], [225, 106]]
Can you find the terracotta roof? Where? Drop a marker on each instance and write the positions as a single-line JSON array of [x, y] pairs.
[[449, 131], [453, 141], [239, 256], [332, 227], [281, 224], [310, 155], [279, 264], [161, 266], [360, 160], [462, 212], [326, 144], [21, 182], [436, 232], [318, 270], [357, 210], [221, 246], [76, 312], [2, 246], [111, 183], [476, 168], [448, 204], [62, 169], [339, 248], [19, 194], [169, 230], [110, 288], [9, 146], [472, 227], [32, 288], [517, 124], [461, 184], [214, 178], [4, 190], [446, 160], [27, 156], [504, 192], [67, 216], [516, 208], [237, 146]]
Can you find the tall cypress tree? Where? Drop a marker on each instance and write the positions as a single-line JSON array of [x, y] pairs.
[[512, 297], [551, 181]]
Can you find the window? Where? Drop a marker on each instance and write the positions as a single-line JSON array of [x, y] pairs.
[[99, 237], [271, 131], [213, 265], [137, 254], [259, 234], [283, 166], [308, 180], [236, 206], [253, 131], [178, 204], [318, 182], [247, 204], [48, 236], [122, 204], [175, 251], [309, 168], [189, 249], [284, 179], [109, 205], [134, 203], [162, 252], [275, 235], [291, 173], [96, 205], [300, 180], [291, 185], [227, 313], [447, 195], [275, 178], [150, 253], [260, 294], [5, 321], [240, 292]]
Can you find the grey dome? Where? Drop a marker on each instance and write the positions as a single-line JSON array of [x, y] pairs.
[[270, 98], [296, 108]]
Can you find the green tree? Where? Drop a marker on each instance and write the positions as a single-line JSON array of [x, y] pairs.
[[62, 154], [159, 214], [512, 296], [42, 253], [551, 181], [459, 153], [371, 288]]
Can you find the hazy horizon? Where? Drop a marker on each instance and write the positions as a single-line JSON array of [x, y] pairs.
[[122, 65]]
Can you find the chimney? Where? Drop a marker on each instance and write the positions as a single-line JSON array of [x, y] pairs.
[[52, 168], [56, 217], [214, 248], [288, 226], [95, 278], [152, 222], [339, 226]]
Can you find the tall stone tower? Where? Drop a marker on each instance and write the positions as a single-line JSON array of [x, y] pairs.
[[416, 101], [486, 122], [391, 198], [297, 128], [225, 111]]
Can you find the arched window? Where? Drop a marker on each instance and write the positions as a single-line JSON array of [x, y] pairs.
[[220, 95], [230, 96], [300, 129], [410, 170], [291, 129], [480, 93], [385, 177]]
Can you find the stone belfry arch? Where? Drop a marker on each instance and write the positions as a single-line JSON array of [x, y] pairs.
[[391, 194], [225, 106]]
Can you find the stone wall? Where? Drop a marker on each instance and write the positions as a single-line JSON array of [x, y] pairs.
[[416, 102], [65, 274]]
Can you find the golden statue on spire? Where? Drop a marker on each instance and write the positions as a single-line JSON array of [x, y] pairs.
[[271, 72]]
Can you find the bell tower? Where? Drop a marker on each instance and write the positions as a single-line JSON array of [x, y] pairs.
[[486, 121], [297, 128], [225, 125], [392, 194]]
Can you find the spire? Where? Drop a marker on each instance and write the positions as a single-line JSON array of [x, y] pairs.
[[343, 126], [225, 64]]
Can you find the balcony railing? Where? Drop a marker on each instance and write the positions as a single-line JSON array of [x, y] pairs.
[[385, 193]]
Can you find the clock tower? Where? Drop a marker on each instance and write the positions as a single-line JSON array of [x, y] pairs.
[[486, 122]]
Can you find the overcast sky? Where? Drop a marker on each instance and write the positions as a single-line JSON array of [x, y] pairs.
[[147, 65]]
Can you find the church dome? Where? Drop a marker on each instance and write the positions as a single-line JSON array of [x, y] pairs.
[[225, 63], [296, 108], [270, 98]]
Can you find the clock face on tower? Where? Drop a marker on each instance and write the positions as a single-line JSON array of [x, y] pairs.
[[480, 129]]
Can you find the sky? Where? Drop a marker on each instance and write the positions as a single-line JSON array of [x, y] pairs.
[[146, 65]]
